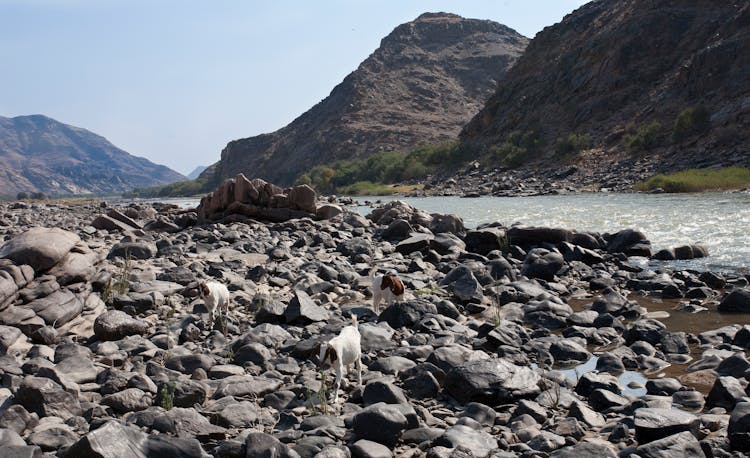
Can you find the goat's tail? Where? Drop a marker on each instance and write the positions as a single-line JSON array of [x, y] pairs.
[[373, 272], [354, 320]]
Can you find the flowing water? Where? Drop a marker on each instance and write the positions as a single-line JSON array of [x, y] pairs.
[[720, 220]]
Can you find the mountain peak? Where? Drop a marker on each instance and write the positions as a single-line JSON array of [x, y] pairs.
[[40, 154], [423, 83], [438, 16]]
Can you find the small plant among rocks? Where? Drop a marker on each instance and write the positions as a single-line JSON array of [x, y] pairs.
[[321, 396], [120, 282], [645, 138], [690, 122], [166, 396], [572, 144]]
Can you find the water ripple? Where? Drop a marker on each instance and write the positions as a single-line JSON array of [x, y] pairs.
[[720, 220]]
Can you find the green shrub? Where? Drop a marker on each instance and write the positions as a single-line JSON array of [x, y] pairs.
[[361, 176], [690, 122], [517, 148], [22, 195], [572, 143], [697, 180], [303, 179], [177, 189], [644, 139]]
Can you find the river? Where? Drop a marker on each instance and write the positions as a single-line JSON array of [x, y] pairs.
[[720, 220]]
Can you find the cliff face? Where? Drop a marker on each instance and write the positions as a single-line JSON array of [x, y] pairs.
[[614, 65], [423, 83], [39, 154]]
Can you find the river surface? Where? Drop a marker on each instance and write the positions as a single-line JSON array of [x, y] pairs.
[[720, 220]]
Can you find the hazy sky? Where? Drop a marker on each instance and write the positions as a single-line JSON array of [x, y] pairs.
[[175, 80]]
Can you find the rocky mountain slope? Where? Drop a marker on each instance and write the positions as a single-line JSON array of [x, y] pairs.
[[39, 154], [423, 83], [614, 67]]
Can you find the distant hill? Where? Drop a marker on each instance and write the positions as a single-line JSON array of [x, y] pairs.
[[421, 86], [196, 172], [39, 154], [666, 82]]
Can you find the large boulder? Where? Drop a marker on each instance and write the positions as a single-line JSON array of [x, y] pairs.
[[12, 278], [463, 284], [382, 423], [542, 263], [133, 250], [415, 242], [115, 440], [480, 443], [680, 445], [128, 400], [736, 301], [586, 450], [78, 266], [726, 392], [397, 209], [58, 308], [46, 398], [442, 223], [39, 247], [487, 239], [491, 381], [399, 229], [631, 242], [654, 423], [407, 313], [739, 427], [537, 236], [303, 310], [108, 223], [264, 445], [302, 197], [246, 386]]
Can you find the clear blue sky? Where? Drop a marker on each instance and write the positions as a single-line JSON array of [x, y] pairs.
[[175, 80]]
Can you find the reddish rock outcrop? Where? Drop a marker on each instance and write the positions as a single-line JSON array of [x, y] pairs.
[[240, 198]]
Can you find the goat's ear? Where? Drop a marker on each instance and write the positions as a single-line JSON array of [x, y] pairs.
[[331, 354]]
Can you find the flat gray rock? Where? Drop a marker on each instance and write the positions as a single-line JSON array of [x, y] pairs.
[[653, 423], [39, 247], [115, 325], [491, 381], [678, 445]]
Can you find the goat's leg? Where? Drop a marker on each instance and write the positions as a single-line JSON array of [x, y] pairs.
[[337, 384]]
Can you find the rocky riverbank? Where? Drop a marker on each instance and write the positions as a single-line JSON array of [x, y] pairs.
[[590, 171], [106, 352]]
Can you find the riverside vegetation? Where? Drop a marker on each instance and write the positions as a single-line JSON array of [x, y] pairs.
[[521, 153], [465, 365]]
